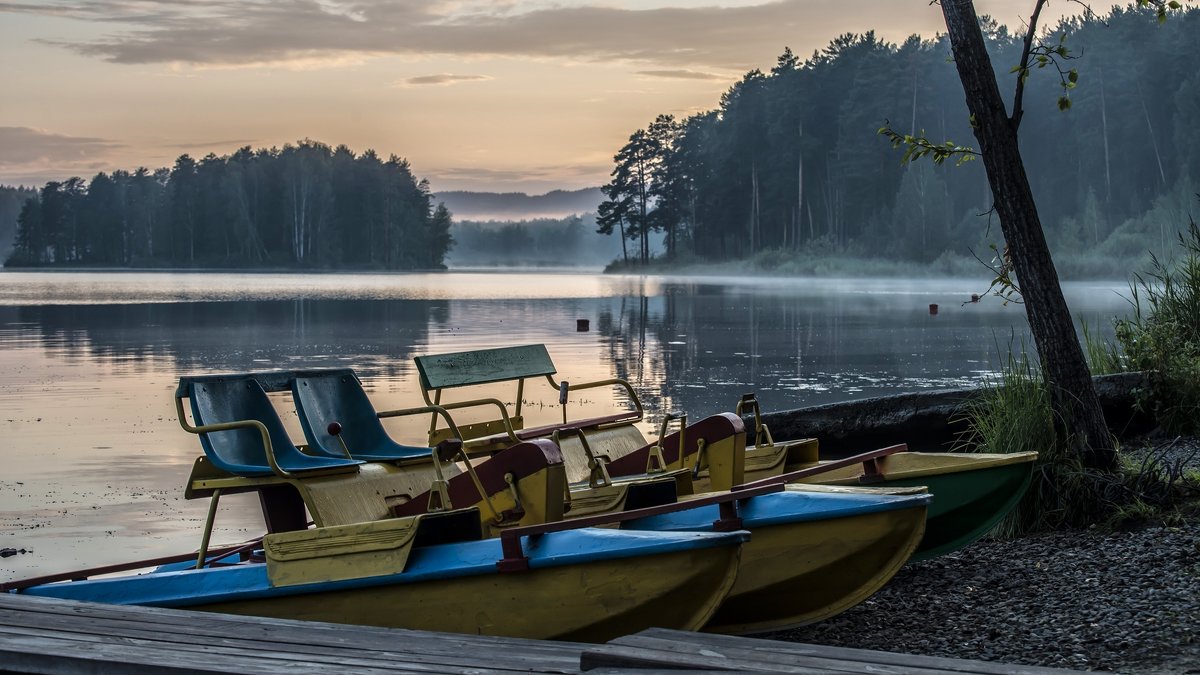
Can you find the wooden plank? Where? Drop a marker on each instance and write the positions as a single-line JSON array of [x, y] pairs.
[[483, 366], [259, 655], [385, 656], [708, 641], [29, 654], [287, 630], [288, 636], [655, 671], [662, 653], [621, 657]]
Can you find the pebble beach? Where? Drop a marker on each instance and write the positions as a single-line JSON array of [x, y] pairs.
[[1118, 601]]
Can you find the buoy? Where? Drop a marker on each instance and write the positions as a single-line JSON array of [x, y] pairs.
[[933, 309], [582, 325]]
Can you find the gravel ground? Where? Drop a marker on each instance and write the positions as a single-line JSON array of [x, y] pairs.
[[1126, 601]]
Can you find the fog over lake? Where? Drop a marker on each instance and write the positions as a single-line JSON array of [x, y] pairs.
[[95, 461]]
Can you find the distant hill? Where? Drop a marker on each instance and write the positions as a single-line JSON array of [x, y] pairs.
[[466, 205]]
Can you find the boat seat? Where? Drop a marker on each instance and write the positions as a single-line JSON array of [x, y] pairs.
[[327, 396], [240, 451], [442, 372]]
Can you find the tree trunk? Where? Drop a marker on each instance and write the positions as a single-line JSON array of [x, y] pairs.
[[1079, 420], [1104, 133], [799, 189]]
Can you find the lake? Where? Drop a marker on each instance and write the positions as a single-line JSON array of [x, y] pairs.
[[95, 461]]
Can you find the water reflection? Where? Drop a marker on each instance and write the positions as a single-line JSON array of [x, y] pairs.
[[94, 458]]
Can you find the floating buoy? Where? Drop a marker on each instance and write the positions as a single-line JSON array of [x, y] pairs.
[[582, 325], [933, 309]]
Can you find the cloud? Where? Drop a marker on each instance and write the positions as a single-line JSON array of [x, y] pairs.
[[684, 75], [33, 156], [228, 143], [25, 146], [522, 179], [231, 33], [444, 79]]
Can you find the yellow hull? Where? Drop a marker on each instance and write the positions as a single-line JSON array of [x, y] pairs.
[[800, 573], [914, 465], [592, 602]]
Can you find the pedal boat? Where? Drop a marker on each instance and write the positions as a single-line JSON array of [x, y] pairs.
[[586, 584], [972, 492], [800, 540], [810, 556], [359, 564]]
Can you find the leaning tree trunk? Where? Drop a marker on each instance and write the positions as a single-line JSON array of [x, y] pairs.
[[1079, 419]]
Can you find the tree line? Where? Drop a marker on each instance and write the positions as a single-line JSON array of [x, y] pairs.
[[305, 205], [12, 198], [791, 160]]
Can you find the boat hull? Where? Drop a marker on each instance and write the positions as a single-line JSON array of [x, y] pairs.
[[972, 493], [811, 555], [589, 585], [563, 603]]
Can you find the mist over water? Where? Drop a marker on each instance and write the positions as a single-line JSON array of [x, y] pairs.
[[95, 460]]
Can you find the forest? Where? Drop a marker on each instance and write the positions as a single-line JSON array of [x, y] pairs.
[[791, 164], [305, 205]]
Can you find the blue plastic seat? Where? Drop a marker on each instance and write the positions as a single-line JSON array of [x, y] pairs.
[[223, 399], [327, 396]]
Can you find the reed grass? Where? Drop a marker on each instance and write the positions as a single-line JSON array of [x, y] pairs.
[[1012, 413], [1162, 335]]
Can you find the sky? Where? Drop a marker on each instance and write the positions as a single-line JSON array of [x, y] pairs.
[[501, 95]]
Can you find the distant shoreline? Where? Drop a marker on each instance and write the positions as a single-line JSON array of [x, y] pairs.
[[836, 267]]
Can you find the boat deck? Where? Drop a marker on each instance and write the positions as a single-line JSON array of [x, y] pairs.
[[43, 635]]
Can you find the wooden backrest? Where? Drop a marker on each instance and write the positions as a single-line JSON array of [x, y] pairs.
[[483, 366]]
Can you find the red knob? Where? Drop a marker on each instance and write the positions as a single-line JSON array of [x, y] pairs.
[[334, 429]]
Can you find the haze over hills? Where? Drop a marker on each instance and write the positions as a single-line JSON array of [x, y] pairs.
[[468, 205]]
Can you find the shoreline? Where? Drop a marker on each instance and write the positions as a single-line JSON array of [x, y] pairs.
[[1124, 600], [1120, 601]]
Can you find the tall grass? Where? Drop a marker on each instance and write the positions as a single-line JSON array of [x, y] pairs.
[[1103, 357], [1162, 336], [1012, 413]]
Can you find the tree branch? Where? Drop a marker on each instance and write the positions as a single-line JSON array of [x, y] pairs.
[[1023, 66], [918, 146]]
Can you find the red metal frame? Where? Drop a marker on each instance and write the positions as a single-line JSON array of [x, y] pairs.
[[514, 559]]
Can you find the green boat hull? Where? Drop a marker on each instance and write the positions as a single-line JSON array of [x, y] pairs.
[[966, 504]]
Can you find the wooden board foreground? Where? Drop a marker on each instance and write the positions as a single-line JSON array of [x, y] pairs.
[[45, 635]]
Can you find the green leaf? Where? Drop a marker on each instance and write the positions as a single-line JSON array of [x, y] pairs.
[[1174, 5], [1064, 103], [1073, 76]]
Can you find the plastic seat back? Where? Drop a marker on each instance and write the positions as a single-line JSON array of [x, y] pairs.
[[216, 400], [337, 396]]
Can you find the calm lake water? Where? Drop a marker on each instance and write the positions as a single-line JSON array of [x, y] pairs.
[[94, 461]]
